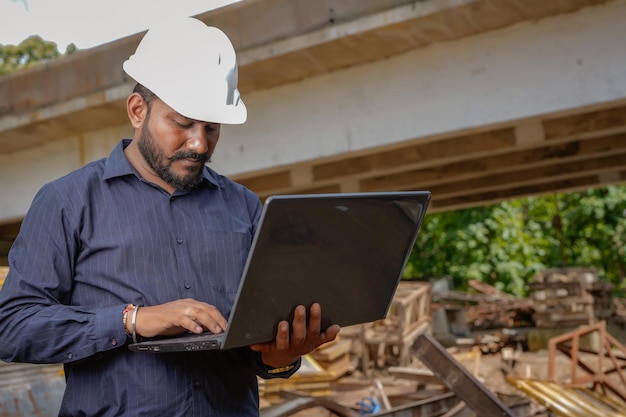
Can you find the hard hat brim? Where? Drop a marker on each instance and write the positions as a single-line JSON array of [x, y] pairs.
[[192, 68]]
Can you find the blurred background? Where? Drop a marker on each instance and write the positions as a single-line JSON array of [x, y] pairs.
[[511, 112]]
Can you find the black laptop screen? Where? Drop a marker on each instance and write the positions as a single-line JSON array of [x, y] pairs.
[[345, 251]]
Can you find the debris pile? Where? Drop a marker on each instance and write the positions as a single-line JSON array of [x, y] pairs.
[[447, 353], [570, 297], [489, 308]]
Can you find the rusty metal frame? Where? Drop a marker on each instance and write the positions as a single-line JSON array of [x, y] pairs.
[[597, 375]]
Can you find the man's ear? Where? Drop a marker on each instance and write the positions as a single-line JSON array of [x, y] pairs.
[[137, 109]]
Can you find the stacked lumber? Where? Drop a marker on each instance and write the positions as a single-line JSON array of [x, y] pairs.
[[319, 368], [335, 357], [567, 297]]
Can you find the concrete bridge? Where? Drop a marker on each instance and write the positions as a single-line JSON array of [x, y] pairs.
[[476, 100]]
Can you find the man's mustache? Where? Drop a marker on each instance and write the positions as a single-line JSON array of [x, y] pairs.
[[203, 157]]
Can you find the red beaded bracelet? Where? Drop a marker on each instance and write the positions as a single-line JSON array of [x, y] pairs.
[[127, 310]]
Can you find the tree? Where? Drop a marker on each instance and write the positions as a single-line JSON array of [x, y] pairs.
[[29, 52], [506, 244], [593, 225]]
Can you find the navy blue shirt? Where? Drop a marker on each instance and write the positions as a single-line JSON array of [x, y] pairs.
[[101, 238]]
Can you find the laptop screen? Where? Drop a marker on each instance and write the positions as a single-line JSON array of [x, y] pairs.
[[344, 251]]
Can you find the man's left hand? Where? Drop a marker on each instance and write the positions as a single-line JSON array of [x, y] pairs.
[[288, 348]]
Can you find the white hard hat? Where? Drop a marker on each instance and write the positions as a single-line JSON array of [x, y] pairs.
[[192, 67]]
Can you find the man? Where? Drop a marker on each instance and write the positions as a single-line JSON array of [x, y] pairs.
[[145, 243]]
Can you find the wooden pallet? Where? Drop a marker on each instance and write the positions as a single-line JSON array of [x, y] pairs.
[[408, 317]]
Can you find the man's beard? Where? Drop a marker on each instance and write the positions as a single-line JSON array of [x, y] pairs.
[[161, 164]]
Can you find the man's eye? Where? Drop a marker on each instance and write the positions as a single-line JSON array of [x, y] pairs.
[[182, 124]]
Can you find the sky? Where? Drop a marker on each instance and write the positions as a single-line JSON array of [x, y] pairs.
[[89, 23]]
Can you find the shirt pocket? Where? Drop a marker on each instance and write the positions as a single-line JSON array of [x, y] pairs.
[[224, 259]]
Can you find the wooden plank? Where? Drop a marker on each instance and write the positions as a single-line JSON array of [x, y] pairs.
[[565, 158], [4, 271], [338, 367], [274, 180], [424, 376], [333, 351], [416, 153], [514, 190], [585, 123]]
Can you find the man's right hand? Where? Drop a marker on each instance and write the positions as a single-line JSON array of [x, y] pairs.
[[176, 317]]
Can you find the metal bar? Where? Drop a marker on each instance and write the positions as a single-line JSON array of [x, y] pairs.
[[574, 356], [592, 375], [601, 352], [458, 379], [552, 348]]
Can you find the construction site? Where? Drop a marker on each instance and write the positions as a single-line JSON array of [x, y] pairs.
[[478, 101], [481, 353], [438, 352]]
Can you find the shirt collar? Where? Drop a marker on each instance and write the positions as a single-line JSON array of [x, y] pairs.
[[117, 165]]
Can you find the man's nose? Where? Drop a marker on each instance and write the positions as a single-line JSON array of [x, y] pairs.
[[197, 140]]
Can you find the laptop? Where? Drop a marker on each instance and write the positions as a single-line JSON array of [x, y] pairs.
[[345, 251]]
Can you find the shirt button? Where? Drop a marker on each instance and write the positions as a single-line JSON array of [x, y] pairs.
[[179, 240], [196, 384], [114, 342], [187, 285], [70, 355]]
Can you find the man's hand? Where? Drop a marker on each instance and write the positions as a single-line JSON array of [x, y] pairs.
[[289, 347], [177, 317]]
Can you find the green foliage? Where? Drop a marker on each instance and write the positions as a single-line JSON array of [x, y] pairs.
[[506, 244], [29, 52], [70, 49]]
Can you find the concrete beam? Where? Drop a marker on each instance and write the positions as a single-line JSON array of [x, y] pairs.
[[278, 41]]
